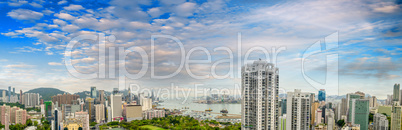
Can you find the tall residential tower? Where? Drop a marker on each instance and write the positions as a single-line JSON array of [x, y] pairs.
[[260, 84]]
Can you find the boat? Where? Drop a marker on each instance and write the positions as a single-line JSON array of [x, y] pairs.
[[209, 110], [224, 111]]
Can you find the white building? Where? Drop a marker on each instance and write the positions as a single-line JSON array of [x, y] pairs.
[[116, 105], [31, 99], [380, 122], [260, 84], [99, 113], [298, 110], [146, 104]]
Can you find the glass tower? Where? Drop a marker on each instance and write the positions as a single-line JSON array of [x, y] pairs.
[[321, 95]]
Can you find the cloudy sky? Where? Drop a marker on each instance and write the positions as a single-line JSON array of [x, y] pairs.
[[365, 35]]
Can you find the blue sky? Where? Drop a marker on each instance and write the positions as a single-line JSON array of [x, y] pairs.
[[34, 35]]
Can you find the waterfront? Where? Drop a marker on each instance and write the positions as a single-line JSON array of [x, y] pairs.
[[216, 108]]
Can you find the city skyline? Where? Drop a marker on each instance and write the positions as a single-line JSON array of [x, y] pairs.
[[34, 36]]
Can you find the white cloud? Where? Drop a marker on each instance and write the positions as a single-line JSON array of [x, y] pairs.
[[185, 9], [139, 25], [47, 12], [70, 28], [155, 12], [17, 3], [62, 2], [59, 22], [36, 5], [24, 14], [54, 63], [387, 9], [73, 7], [19, 66], [64, 16]]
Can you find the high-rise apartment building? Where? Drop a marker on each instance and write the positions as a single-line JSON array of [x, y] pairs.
[[20, 117], [13, 113], [314, 108], [31, 100], [100, 113], [65, 99], [359, 112], [298, 110], [380, 122], [260, 84], [321, 95], [5, 114], [396, 117]]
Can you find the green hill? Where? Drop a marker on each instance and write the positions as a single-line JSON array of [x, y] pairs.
[[46, 93], [83, 94]]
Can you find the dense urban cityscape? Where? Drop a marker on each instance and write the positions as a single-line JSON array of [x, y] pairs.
[[261, 108], [200, 64]]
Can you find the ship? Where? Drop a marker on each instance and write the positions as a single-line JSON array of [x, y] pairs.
[[224, 111], [208, 110]]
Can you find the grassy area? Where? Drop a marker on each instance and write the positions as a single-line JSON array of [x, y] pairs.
[[152, 127]]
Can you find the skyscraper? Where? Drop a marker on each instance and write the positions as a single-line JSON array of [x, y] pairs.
[[396, 117], [396, 93], [349, 98], [260, 84], [373, 101], [101, 96], [20, 96], [314, 108], [9, 93], [93, 92], [116, 105], [89, 106], [321, 95], [298, 110], [359, 112]]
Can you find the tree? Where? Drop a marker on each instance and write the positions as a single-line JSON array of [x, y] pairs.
[[93, 123], [35, 123], [29, 122], [65, 128], [341, 123], [371, 115], [79, 128]]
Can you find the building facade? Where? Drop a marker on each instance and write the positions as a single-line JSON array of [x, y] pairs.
[[100, 113], [380, 122], [359, 112], [298, 110], [321, 95], [260, 84]]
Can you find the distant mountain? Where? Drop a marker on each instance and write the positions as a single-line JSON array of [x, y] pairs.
[[83, 94], [46, 93]]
